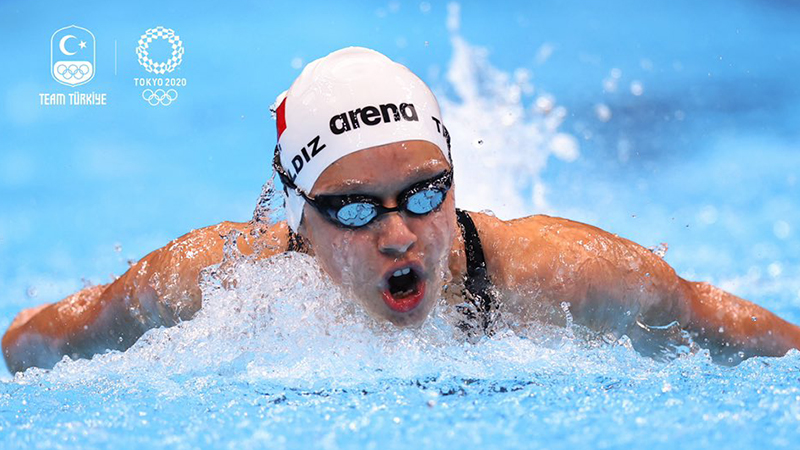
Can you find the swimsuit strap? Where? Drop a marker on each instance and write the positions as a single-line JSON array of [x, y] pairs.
[[477, 281]]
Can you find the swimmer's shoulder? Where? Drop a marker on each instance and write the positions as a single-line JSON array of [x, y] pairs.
[[251, 237], [530, 251], [263, 238], [539, 229]]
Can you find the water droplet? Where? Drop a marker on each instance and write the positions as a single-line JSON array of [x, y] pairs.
[[775, 270], [721, 329], [544, 52], [545, 103], [660, 250], [568, 317], [31, 292], [754, 318], [610, 85], [118, 247], [603, 112], [425, 8], [781, 229], [565, 147], [637, 88]]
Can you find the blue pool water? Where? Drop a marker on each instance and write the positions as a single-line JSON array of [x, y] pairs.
[[674, 123]]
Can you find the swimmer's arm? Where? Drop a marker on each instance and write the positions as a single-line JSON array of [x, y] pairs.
[[730, 325], [160, 290], [629, 277], [611, 282], [627, 282]]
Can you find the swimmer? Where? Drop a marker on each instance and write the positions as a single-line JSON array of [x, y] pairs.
[[364, 158]]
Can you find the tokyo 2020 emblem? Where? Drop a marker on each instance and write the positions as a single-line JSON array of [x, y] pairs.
[[160, 52], [72, 55], [143, 50]]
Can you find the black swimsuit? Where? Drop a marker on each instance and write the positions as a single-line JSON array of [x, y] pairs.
[[476, 283]]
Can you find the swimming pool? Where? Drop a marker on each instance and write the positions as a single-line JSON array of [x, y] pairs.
[[673, 124]]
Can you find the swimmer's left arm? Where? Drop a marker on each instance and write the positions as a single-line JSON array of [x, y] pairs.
[[630, 277], [611, 282], [735, 327]]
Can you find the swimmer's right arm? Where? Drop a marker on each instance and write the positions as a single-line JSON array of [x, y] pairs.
[[160, 290]]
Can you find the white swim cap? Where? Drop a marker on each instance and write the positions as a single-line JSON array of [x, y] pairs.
[[350, 100]]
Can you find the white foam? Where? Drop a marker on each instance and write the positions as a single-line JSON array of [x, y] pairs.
[[285, 321]]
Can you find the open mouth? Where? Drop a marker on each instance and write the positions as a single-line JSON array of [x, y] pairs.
[[404, 289]]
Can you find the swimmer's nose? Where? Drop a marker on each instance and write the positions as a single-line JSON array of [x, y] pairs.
[[395, 237]]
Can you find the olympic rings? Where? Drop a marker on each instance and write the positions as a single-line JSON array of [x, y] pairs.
[[159, 96], [149, 36], [68, 71]]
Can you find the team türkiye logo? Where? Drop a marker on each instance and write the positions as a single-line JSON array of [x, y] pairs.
[[72, 55]]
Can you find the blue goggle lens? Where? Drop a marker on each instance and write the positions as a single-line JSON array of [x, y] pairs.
[[425, 201], [356, 214]]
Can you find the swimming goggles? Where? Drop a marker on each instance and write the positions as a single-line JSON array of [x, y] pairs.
[[358, 210]]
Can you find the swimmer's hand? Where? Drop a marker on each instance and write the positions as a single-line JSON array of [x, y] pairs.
[[162, 289]]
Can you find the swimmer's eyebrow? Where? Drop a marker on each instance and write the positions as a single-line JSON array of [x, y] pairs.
[[350, 187]]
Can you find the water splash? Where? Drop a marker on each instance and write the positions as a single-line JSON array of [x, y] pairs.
[[269, 207], [517, 133], [281, 352]]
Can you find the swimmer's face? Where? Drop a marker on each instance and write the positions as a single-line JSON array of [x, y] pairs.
[[395, 265]]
